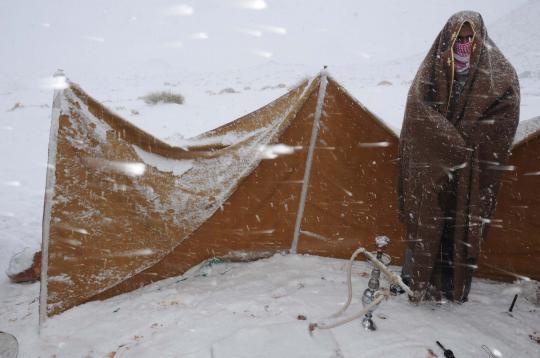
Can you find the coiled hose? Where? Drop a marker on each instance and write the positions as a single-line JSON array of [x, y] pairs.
[[379, 295]]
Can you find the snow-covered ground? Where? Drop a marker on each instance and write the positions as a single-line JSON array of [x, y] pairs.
[[252, 310], [119, 51]]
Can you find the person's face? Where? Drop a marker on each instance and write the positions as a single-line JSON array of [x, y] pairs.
[[465, 34]]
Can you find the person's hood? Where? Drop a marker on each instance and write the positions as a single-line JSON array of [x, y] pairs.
[[450, 32]]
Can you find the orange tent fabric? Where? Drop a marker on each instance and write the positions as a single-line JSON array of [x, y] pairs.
[[124, 209]]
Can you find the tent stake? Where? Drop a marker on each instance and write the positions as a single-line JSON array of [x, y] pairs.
[[513, 303]]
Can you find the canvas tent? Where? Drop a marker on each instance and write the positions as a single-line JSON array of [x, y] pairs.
[[124, 209], [312, 172]]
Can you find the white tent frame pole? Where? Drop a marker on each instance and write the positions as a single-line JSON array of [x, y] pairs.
[[49, 193], [309, 160]]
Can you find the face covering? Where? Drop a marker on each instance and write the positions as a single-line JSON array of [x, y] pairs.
[[462, 56]]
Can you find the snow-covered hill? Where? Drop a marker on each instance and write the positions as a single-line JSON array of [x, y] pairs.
[[121, 50]]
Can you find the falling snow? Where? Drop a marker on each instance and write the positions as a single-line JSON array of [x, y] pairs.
[[261, 49]]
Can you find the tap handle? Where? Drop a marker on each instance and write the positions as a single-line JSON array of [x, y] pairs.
[[382, 241]]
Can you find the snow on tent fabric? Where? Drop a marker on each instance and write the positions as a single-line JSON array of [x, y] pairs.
[[109, 232], [123, 209]]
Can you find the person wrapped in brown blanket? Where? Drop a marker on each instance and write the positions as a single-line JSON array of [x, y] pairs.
[[461, 116]]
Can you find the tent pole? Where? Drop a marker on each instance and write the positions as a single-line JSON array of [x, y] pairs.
[[309, 160], [60, 83]]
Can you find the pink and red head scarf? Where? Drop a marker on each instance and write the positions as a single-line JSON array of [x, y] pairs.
[[462, 56]]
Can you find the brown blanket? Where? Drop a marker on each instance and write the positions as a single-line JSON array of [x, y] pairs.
[[455, 144]]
